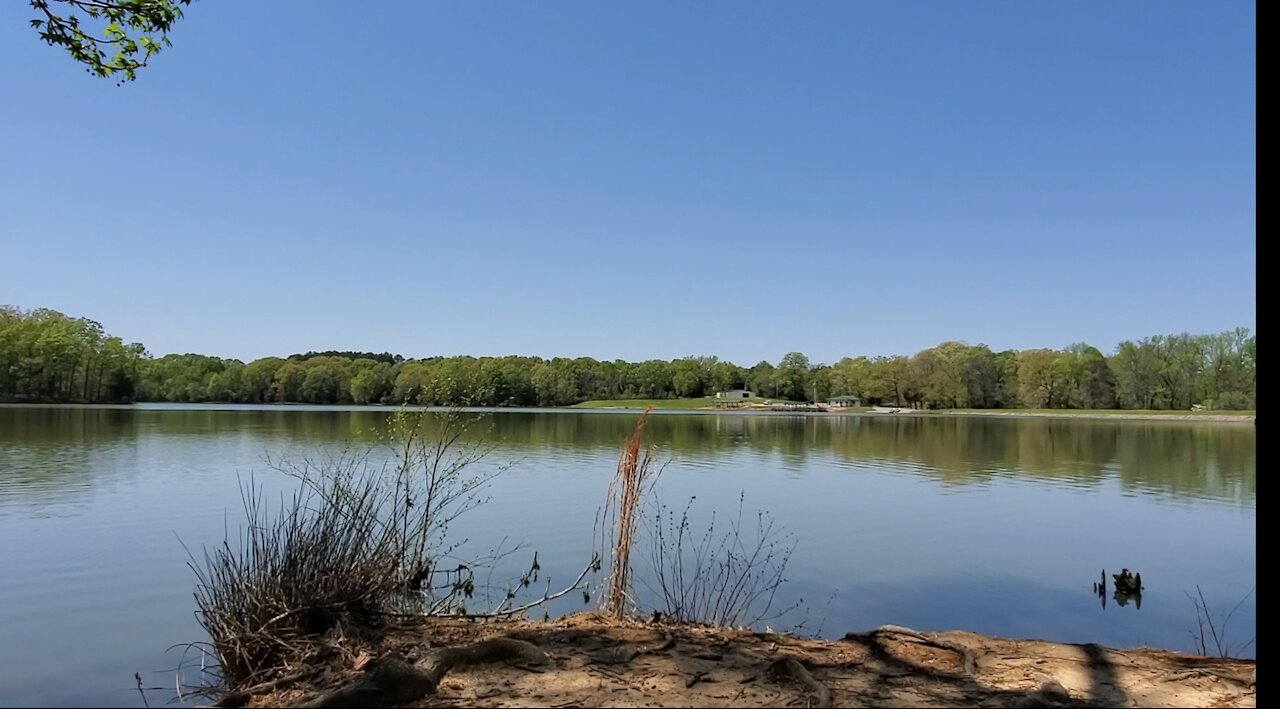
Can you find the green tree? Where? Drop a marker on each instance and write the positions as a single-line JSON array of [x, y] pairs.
[[762, 380], [690, 376], [1088, 379], [819, 382], [725, 376], [1248, 391], [118, 373], [653, 379], [791, 377], [1041, 378], [1006, 365], [287, 385], [319, 386], [1228, 380], [554, 383], [371, 381], [110, 38], [852, 377], [411, 383], [256, 380], [983, 378], [46, 355], [890, 380], [1134, 368], [225, 385], [10, 321], [1180, 359], [514, 381], [942, 373], [179, 377]]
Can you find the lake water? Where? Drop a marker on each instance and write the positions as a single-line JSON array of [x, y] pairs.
[[997, 525]]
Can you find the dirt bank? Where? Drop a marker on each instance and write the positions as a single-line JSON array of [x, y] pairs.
[[587, 661]]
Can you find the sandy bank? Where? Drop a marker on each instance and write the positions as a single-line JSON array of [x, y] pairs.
[[587, 661]]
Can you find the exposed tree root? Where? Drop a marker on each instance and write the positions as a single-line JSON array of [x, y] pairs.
[[790, 668], [502, 649], [391, 681], [624, 656], [388, 681], [968, 660], [595, 661], [1244, 680]]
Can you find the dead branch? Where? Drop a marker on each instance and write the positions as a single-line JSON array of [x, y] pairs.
[[547, 597]]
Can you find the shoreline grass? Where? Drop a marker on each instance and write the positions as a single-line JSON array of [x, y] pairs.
[[703, 402], [709, 405]]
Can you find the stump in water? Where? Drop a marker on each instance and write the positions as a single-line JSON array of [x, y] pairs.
[[1128, 588], [1128, 583]]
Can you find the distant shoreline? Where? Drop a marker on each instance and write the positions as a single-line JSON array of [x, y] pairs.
[[764, 406], [623, 408], [1216, 417]]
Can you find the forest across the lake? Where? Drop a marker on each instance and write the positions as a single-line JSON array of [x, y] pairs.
[[48, 356]]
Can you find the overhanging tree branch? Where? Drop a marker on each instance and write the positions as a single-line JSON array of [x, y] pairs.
[[135, 30]]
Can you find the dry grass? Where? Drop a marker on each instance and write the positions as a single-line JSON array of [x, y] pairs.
[[312, 569], [721, 577], [357, 540], [634, 476]]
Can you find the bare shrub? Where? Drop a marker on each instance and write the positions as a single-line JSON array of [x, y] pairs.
[[426, 483], [358, 540], [297, 574], [723, 577], [1211, 635]]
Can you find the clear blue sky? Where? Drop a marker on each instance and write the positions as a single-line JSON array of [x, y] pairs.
[[641, 180]]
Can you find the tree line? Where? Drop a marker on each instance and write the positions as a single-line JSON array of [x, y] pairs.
[[48, 356]]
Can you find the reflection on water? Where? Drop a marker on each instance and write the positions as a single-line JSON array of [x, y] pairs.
[[996, 525], [48, 447]]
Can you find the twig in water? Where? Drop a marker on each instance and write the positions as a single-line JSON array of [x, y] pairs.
[[137, 677], [1217, 632]]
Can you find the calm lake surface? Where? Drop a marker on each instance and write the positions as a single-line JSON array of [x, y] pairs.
[[996, 525]]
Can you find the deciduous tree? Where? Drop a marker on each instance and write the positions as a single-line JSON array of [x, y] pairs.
[[109, 38]]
